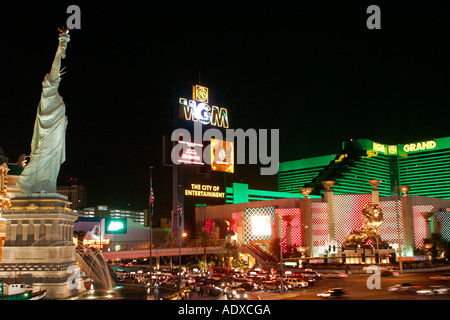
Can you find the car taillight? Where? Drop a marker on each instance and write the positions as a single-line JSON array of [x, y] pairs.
[[417, 287]]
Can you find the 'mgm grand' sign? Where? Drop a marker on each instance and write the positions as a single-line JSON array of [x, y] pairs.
[[425, 145], [198, 109]]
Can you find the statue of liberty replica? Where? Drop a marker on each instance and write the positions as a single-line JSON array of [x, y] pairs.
[[48, 144], [39, 249]]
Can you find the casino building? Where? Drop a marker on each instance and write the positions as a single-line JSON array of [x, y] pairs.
[[424, 166], [305, 214]]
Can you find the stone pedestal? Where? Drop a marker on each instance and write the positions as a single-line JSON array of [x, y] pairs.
[[39, 246]]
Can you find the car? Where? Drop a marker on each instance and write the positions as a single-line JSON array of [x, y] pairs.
[[228, 290], [333, 293], [248, 285], [296, 283], [312, 274], [443, 277], [336, 274], [389, 272], [273, 285], [239, 294], [404, 287], [433, 290], [188, 281], [311, 281]]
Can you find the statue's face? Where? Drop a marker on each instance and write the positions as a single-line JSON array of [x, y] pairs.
[[373, 214]]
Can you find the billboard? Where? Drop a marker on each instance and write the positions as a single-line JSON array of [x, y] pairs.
[[115, 225], [261, 226], [189, 153], [222, 156]]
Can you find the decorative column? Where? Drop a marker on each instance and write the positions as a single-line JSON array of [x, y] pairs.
[[288, 220], [329, 199], [37, 228], [13, 229], [375, 192], [408, 222], [24, 231], [305, 211]]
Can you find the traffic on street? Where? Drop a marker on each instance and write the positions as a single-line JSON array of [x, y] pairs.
[[296, 284]]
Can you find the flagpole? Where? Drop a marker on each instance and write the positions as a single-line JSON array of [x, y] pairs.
[[179, 209], [151, 232]]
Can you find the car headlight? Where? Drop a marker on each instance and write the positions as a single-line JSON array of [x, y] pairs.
[[238, 296]]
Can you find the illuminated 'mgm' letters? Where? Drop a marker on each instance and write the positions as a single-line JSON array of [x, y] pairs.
[[194, 111]]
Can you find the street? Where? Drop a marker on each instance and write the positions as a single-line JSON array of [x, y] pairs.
[[356, 283]]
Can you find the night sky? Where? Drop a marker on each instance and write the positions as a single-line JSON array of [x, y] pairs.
[[313, 71]]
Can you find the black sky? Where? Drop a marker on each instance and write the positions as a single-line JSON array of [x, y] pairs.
[[314, 71]]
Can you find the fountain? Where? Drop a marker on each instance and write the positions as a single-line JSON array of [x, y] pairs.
[[96, 267]]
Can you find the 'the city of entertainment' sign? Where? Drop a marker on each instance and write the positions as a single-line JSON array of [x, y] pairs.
[[198, 108], [204, 190]]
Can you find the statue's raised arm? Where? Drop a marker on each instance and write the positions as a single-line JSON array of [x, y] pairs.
[[60, 53], [48, 142]]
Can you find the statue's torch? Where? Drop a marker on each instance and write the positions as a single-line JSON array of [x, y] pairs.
[[63, 39]]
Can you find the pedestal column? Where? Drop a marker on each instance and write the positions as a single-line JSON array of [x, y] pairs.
[[49, 261], [408, 226], [330, 205], [307, 236]]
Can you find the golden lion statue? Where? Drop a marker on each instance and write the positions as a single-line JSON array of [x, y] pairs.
[[372, 220]]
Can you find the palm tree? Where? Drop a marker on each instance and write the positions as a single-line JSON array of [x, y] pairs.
[[274, 248], [169, 243], [438, 248], [229, 249], [204, 240]]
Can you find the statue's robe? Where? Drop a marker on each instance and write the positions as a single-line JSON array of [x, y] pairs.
[[48, 143]]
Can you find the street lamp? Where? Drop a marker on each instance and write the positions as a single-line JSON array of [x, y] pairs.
[[405, 190]]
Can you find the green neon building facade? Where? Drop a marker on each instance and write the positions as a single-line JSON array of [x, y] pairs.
[[423, 165], [240, 193]]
